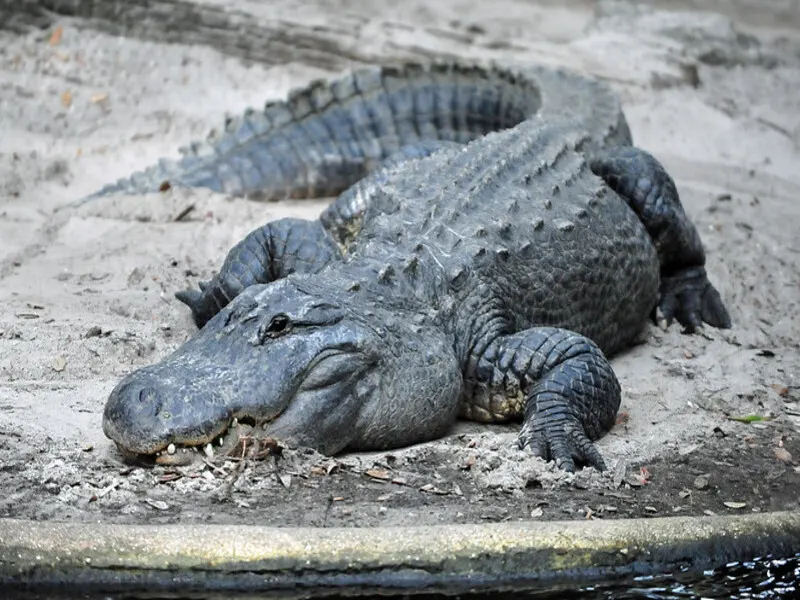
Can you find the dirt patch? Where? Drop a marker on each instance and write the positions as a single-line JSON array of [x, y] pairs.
[[87, 294]]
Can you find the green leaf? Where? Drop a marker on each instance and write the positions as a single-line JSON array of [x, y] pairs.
[[750, 418]]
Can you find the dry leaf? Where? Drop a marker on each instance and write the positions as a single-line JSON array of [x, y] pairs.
[[55, 37], [381, 474], [780, 389], [59, 363], [783, 455], [537, 512], [66, 99]]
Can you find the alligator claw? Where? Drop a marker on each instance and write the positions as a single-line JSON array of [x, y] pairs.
[[197, 301], [564, 442], [691, 299]]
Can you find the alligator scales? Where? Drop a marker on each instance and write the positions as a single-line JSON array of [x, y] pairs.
[[496, 237]]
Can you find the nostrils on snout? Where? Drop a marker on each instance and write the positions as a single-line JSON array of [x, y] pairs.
[[146, 394], [137, 397]]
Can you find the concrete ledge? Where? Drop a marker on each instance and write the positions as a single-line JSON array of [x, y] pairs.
[[104, 558]]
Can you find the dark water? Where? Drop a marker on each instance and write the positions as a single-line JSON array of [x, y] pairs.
[[760, 578]]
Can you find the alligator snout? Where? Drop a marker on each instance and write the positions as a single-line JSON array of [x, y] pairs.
[[146, 412]]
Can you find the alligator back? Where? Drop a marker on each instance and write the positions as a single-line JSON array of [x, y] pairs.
[[329, 134]]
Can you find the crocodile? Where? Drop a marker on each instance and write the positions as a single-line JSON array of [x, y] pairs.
[[496, 238]]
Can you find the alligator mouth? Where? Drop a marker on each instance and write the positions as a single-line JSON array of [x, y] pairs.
[[223, 442]]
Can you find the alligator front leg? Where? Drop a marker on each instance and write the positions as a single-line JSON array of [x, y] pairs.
[[686, 292], [570, 392], [270, 252]]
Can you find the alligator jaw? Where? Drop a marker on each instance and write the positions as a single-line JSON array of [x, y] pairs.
[[184, 454]]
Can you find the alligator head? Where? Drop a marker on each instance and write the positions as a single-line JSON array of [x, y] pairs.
[[311, 370]]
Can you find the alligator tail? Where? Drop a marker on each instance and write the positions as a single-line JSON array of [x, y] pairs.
[[329, 134]]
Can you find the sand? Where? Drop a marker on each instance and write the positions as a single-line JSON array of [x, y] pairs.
[[86, 295]]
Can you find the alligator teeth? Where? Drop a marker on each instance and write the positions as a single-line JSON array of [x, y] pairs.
[[209, 450], [171, 449], [221, 441]]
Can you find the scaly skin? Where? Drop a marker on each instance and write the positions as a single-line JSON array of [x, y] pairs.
[[490, 280]]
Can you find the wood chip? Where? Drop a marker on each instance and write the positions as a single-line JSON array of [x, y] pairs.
[[66, 99], [537, 512], [59, 364], [380, 474], [157, 504], [108, 489], [285, 479], [735, 504], [55, 37], [97, 98], [184, 212]]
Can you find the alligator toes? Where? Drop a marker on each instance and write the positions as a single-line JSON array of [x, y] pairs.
[[567, 446], [690, 298]]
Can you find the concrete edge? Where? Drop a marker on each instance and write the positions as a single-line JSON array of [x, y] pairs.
[[179, 558]]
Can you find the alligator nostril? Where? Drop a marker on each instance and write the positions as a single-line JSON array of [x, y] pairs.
[[147, 394]]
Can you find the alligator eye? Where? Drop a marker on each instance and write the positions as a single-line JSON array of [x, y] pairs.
[[278, 324]]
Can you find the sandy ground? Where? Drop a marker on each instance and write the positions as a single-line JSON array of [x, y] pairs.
[[87, 295]]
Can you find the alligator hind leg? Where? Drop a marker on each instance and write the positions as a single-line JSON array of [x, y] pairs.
[[570, 392], [686, 293], [270, 252]]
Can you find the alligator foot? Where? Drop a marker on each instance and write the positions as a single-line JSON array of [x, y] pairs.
[[268, 253], [689, 297], [572, 394]]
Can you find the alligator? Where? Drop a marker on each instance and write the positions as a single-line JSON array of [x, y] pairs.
[[496, 238]]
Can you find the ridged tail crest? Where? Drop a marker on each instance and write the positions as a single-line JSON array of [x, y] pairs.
[[329, 134]]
